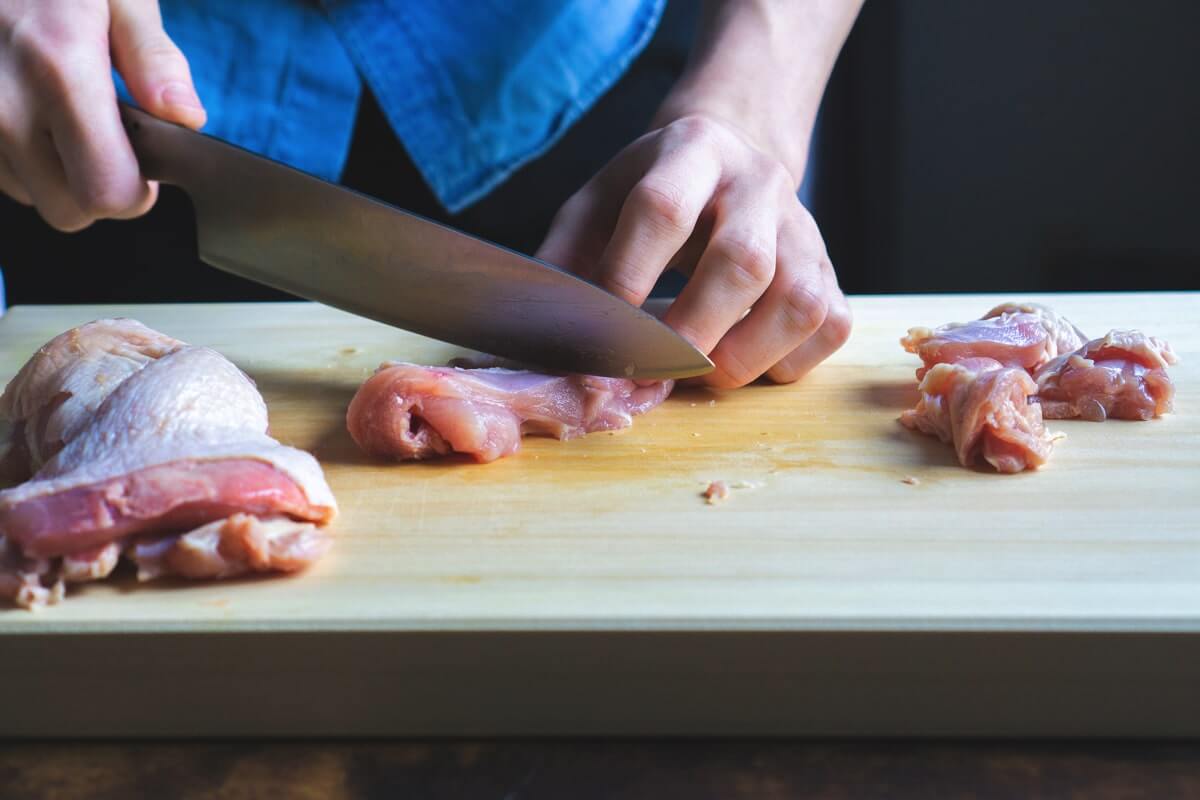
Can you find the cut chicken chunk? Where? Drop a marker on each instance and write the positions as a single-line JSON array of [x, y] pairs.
[[1013, 340], [1122, 376], [1063, 333], [982, 408]]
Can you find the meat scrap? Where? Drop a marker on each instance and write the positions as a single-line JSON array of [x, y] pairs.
[[1122, 376], [987, 385], [125, 434], [716, 492], [982, 408], [406, 411]]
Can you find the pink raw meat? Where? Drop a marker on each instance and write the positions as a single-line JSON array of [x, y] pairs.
[[225, 548], [1024, 335], [128, 432], [406, 411], [1121, 376], [982, 407], [173, 496], [1066, 337]]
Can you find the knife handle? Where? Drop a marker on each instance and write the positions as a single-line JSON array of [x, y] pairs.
[[161, 147]]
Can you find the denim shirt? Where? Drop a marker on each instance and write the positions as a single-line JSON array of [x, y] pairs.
[[473, 88]]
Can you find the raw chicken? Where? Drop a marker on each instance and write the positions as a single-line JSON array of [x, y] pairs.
[[406, 411], [233, 546], [1066, 336], [131, 433], [982, 407], [1123, 376], [1017, 335], [59, 389]]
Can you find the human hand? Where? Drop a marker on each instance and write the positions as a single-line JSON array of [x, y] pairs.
[[697, 195], [62, 146]]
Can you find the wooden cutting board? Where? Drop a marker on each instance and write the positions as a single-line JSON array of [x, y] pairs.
[[587, 587]]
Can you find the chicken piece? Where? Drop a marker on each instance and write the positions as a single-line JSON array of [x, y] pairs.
[[716, 492], [237, 545], [982, 407], [1025, 335], [59, 389], [1122, 376], [1067, 338], [154, 436], [405, 411], [24, 579], [1013, 340], [91, 565]]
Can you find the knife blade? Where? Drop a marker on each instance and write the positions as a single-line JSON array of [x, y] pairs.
[[276, 225]]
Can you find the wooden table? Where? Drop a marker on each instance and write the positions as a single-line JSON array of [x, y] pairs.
[[582, 770], [585, 587]]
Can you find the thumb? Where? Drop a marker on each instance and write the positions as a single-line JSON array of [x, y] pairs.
[[154, 69]]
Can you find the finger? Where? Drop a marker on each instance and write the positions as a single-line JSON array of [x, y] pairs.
[[656, 220], [10, 185], [41, 172], [734, 270], [580, 230], [832, 334], [791, 310], [85, 125], [154, 69]]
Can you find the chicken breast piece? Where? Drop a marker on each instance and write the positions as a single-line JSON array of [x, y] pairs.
[[406, 411], [982, 408], [1121, 376]]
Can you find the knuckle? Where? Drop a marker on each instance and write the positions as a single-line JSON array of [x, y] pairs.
[[158, 50], [733, 372], [751, 260], [103, 199], [625, 285], [839, 322], [696, 128], [804, 308], [779, 177], [784, 372], [46, 52], [664, 202]]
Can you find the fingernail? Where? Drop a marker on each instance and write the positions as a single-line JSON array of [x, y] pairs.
[[181, 95]]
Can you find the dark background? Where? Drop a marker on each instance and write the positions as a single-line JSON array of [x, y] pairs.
[[964, 146]]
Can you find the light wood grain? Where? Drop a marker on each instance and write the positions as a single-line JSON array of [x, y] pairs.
[[611, 531], [586, 587]]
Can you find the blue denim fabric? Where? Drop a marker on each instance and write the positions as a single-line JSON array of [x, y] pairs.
[[473, 88]]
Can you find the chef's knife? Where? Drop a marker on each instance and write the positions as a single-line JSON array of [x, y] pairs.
[[284, 228]]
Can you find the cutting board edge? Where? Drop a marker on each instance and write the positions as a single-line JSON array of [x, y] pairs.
[[850, 625]]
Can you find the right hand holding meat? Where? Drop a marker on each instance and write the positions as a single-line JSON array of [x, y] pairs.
[[62, 146]]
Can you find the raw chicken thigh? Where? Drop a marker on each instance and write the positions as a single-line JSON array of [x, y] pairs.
[[135, 439], [982, 408]]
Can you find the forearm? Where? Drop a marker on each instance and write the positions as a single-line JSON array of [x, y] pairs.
[[761, 66]]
